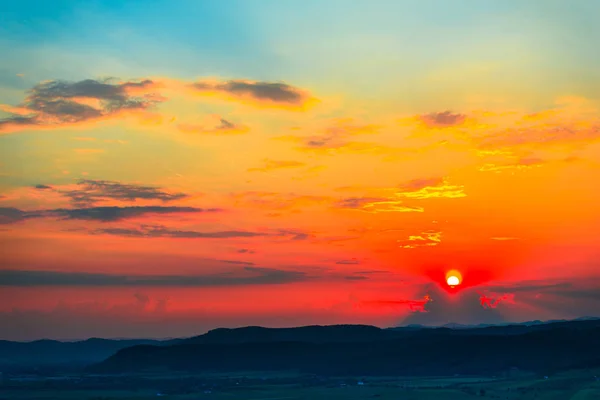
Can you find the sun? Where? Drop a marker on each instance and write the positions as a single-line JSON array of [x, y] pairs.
[[453, 278]]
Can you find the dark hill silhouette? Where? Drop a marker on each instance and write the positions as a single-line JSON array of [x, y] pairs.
[[50, 353], [53, 352], [559, 346], [312, 334]]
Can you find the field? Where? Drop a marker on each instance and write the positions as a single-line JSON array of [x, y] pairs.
[[574, 385]]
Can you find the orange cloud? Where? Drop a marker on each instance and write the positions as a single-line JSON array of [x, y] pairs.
[[425, 239], [521, 164], [377, 205], [431, 188]]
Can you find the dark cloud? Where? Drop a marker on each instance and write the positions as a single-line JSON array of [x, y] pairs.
[[295, 234], [588, 289], [161, 231], [246, 251], [531, 286], [442, 119], [42, 187], [226, 125], [63, 102], [348, 262], [337, 136], [235, 262], [102, 214], [358, 202], [418, 184], [463, 307], [356, 278], [246, 276], [91, 191], [9, 215], [276, 92], [146, 231], [318, 143], [109, 214], [17, 120]]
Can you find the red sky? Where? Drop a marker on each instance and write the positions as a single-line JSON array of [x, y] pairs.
[[167, 202]]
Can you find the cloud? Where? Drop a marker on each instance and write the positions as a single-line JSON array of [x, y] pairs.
[[551, 298], [417, 189], [270, 165], [358, 202], [109, 214], [154, 231], [246, 276], [9, 215], [431, 188], [442, 119], [416, 306], [492, 300], [356, 278], [161, 231], [237, 262], [101, 214], [257, 92], [89, 192], [376, 205], [16, 122], [294, 234], [56, 103], [463, 308], [223, 127], [246, 251], [352, 261], [521, 164], [424, 239], [336, 138], [42, 187]]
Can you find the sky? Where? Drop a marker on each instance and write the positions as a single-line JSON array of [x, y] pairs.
[[170, 167]]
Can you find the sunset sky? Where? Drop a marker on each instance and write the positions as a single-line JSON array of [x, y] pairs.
[[169, 167]]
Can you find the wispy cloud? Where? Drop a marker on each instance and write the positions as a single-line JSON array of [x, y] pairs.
[[256, 92], [424, 239], [442, 119], [56, 103], [248, 275], [431, 188], [100, 214], [89, 192], [223, 127], [521, 164], [159, 231]]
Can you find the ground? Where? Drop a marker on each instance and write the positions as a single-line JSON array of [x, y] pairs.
[[574, 385]]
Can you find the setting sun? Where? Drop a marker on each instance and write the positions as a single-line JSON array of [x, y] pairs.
[[453, 280]]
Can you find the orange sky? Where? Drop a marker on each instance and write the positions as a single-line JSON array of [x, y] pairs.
[[163, 204]]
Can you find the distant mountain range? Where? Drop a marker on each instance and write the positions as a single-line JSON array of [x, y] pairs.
[[526, 323], [329, 349]]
